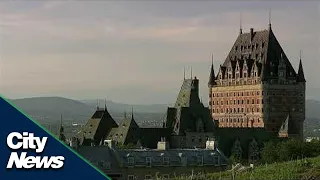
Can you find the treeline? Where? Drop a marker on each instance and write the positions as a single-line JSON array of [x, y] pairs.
[[289, 150]]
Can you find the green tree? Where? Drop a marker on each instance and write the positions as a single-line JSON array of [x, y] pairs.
[[269, 153]]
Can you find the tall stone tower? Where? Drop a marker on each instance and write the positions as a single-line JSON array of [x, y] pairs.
[[257, 86]]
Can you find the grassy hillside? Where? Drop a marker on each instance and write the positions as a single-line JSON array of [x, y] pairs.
[[307, 169]]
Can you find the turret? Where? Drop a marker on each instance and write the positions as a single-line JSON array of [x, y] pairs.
[[301, 77], [212, 76], [61, 131]]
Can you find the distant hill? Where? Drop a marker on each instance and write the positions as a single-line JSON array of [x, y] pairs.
[[48, 109], [120, 107]]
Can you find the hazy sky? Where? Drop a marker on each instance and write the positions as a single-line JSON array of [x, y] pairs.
[[135, 52]]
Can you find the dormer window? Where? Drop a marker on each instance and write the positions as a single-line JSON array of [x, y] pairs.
[[281, 74], [262, 45], [148, 161], [130, 161], [236, 48], [216, 160], [166, 161], [200, 160], [257, 45]]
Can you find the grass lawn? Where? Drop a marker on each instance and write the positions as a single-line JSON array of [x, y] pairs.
[[307, 169]]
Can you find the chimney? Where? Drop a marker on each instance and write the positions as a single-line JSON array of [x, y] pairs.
[[211, 144], [111, 144], [251, 34], [163, 144]]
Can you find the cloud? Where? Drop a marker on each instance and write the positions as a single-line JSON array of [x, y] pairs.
[[85, 49]]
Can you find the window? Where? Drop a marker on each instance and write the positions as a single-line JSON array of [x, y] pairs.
[[200, 160], [148, 177], [130, 161], [148, 161], [130, 177], [281, 74], [216, 160], [107, 165], [166, 161]]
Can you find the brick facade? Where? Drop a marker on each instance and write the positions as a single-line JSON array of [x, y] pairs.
[[257, 86]]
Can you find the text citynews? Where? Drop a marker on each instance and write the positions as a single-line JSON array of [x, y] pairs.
[[26, 141]]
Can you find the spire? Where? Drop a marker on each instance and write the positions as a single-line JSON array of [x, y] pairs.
[[240, 23], [184, 73], [270, 19], [97, 104], [132, 112], [61, 131], [212, 75], [191, 72], [301, 77], [105, 104], [61, 128]]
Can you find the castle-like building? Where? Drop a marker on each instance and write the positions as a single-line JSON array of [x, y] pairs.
[[255, 97], [257, 86]]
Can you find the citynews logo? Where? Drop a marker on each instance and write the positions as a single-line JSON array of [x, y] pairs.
[[26, 141]]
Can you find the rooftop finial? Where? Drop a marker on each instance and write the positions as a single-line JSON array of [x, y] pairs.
[[97, 104], [105, 104], [300, 54], [60, 120], [240, 23], [270, 18], [191, 72], [184, 73], [212, 58], [132, 112], [125, 114]]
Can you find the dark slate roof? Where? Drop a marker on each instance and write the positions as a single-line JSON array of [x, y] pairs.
[[150, 136], [212, 77], [262, 47], [118, 158], [127, 132], [301, 77], [227, 136], [183, 99], [188, 110], [287, 126], [98, 126]]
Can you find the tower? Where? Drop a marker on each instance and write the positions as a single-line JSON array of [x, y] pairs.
[[61, 131], [257, 86]]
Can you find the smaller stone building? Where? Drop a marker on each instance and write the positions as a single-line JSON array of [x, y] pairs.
[[135, 164]]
